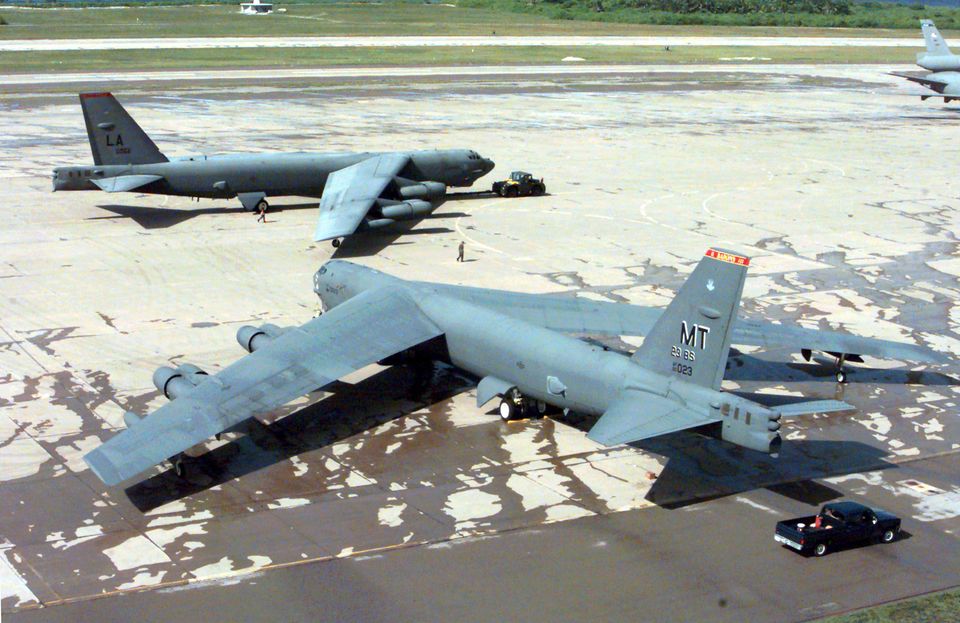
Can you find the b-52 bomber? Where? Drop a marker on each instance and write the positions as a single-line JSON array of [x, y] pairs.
[[514, 343], [357, 190], [944, 65]]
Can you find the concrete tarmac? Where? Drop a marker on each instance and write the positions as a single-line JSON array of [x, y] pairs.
[[391, 494]]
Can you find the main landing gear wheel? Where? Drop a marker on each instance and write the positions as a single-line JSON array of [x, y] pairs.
[[335, 242], [508, 410], [262, 206]]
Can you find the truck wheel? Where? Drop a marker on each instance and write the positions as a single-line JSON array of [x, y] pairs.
[[888, 536], [820, 549], [539, 190], [510, 191]]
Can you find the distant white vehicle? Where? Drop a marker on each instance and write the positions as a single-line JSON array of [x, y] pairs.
[[256, 8]]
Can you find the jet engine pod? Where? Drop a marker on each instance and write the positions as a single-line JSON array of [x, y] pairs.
[[423, 190], [252, 338], [173, 383], [406, 209], [754, 427]]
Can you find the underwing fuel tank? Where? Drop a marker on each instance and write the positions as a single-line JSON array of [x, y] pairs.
[[406, 209]]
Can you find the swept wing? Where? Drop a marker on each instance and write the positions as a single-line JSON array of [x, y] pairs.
[[570, 314], [350, 193], [125, 183], [299, 361]]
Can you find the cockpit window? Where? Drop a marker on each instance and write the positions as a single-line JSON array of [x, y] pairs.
[[322, 271]]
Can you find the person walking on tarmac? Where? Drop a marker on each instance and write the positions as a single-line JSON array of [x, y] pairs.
[[263, 213], [460, 252]]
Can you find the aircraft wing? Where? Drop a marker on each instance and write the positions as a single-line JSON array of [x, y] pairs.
[[767, 334], [930, 83], [637, 415], [299, 361], [567, 314], [571, 314], [125, 183], [350, 193]]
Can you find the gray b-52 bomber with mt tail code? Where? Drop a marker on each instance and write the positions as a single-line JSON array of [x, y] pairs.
[[515, 343], [357, 190]]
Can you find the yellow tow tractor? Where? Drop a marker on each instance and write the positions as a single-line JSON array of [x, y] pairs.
[[520, 184]]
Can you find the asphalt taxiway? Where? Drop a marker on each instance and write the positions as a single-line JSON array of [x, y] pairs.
[[391, 497]]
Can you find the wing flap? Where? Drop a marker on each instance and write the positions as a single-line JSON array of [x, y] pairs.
[[300, 361], [350, 193], [125, 183], [637, 415]]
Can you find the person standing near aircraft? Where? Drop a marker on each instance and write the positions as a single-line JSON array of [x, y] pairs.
[[460, 251]]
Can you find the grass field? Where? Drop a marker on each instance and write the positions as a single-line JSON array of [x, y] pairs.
[[937, 608], [345, 19], [126, 60]]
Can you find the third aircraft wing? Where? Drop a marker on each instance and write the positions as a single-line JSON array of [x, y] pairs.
[[350, 193], [571, 314]]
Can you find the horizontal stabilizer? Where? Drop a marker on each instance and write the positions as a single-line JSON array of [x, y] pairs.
[[813, 406], [639, 415], [125, 183]]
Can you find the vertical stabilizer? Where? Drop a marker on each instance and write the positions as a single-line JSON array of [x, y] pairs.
[[115, 138], [936, 46], [691, 339]]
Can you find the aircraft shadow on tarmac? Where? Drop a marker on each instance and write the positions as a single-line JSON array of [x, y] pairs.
[[367, 243], [394, 392], [702, 467], [162, 218]]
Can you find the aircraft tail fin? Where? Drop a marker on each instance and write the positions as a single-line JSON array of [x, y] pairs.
[[936, 46], [691, 339], [115, 138]]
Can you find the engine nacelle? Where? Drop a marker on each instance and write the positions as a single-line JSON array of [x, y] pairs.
[[752, 426], [423, 190], [406, 209], [173, 383], [251, 338]]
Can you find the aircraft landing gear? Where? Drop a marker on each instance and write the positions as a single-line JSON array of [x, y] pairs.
[[335, 242], [514, 405], [841, 374], [178, 466]]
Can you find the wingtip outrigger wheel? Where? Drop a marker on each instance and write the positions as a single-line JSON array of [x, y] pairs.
[[335, 242], [178, 467], [841, 375]]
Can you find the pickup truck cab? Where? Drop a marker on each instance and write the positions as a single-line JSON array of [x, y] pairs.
[[838, 524]]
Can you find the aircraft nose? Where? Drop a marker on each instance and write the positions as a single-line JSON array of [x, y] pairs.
[[488, 165]]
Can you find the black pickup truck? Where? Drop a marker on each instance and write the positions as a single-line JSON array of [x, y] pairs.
[[836, 525]]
